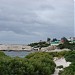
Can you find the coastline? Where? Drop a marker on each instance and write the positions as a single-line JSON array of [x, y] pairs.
[[32, 50], [14, 47], [17, 50]]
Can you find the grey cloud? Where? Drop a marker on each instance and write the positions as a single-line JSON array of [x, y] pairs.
[[36, 19]]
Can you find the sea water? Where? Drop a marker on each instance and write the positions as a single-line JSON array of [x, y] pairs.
[[16, 53]]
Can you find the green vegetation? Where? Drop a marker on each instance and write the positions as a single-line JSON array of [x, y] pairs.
[[70, 46], [39, 44], [59, 54], [38, 63], [33, 64], [68, 70], [66, 44], [69, 56]]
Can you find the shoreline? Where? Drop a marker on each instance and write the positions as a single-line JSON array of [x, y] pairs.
[[17, 50], [32, 50]]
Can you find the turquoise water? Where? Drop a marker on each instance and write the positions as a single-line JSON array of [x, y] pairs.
[[16, 53]]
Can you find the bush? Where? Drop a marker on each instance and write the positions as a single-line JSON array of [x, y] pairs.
[[42, 62], [70, 56], [33, 64], [58, 54], [68, 70]]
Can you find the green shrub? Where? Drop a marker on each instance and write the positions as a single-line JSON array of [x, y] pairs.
[[70, 56], [68, 70], [40, 63]]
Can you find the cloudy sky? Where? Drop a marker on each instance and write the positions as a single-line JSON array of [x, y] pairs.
[[25, 21]]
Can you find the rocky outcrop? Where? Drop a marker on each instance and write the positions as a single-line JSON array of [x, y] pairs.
[[15, 47]]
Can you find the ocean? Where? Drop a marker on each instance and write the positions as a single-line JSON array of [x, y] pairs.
[[16, 53]]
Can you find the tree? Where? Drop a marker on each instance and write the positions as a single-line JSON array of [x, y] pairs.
[[54, 39], [48, 40], [64, 40]]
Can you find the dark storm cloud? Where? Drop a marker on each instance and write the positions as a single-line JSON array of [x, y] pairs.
[[33, 20]]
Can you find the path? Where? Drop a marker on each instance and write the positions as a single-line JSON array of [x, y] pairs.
[[59, 62]]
